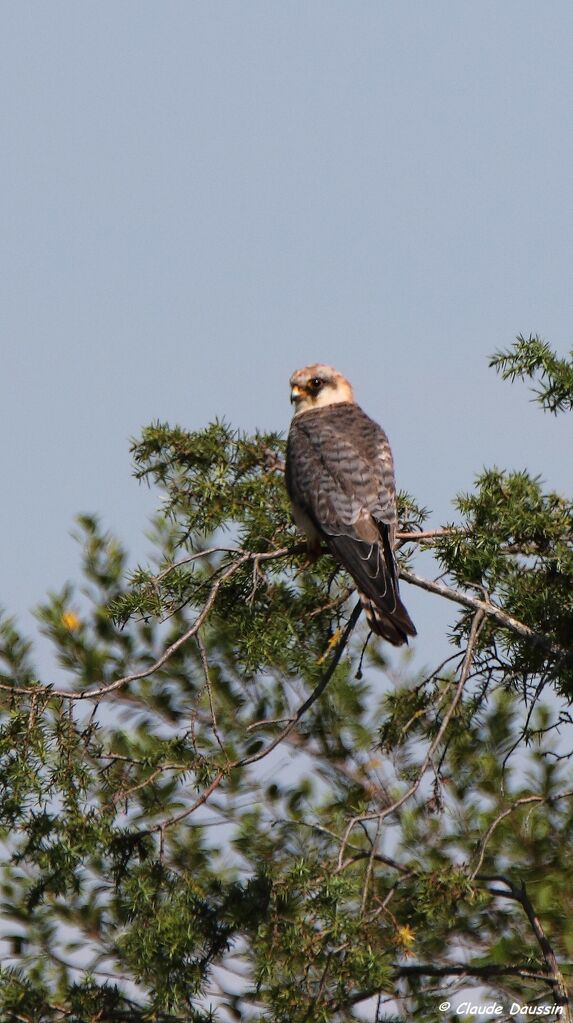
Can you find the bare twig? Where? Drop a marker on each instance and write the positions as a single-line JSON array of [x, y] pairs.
[[205, 665], [332, 604], [176, 817], [196, 556], [265, 723], [523, 801], [124, 794]]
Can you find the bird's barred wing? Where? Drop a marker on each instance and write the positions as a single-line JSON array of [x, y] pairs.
[[340, 474]]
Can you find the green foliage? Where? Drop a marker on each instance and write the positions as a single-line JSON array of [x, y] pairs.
[[177, 849], [535, 360], [516, 548]]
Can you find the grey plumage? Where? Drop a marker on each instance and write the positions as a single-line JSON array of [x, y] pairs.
[[340, 478]]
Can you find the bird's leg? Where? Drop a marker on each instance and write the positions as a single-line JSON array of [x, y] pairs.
[[314, 551]]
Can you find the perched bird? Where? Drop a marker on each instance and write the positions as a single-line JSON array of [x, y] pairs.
[[340, 479]]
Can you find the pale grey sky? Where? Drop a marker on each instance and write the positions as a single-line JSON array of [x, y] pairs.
[[197, 198]]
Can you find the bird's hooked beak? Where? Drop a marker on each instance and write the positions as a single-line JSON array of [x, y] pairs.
[[295, 394]]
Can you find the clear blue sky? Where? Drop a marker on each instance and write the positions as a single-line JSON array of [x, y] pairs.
[[197, 198]]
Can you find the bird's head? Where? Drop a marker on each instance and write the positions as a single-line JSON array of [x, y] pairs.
[[316, 386]]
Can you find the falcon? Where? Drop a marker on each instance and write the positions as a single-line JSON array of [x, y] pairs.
[[340, 480]]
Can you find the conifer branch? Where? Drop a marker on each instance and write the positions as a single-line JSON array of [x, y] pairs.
[[488, 609], [457, 596]]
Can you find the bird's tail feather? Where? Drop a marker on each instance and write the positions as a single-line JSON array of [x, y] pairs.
[[394, 627]]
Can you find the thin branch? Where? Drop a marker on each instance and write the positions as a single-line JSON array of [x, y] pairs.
[[196, 556], [370, 868], [380, 858], [489, 609], [523, 801], [124, 794], [93, 694], [265, 723], [466, 970], [332, 604], [431, 534], [160, 829], [524, 731], [561, 996], [477, 623], [206, 674]]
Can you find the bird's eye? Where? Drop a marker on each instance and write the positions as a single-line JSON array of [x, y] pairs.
[[316, 383]]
